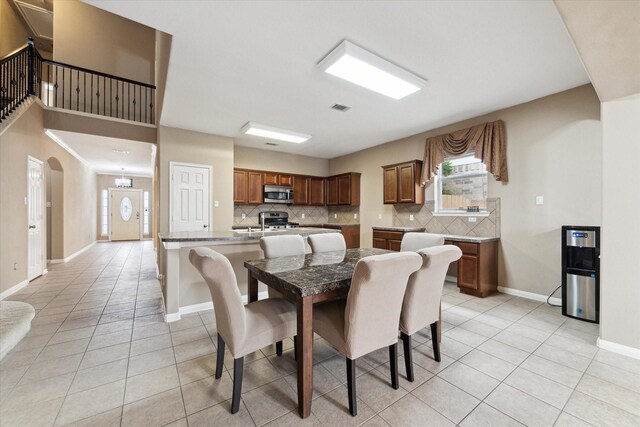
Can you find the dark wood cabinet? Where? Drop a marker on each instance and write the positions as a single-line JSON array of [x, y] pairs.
[[240, 186], [254, 193], [285, 180], [275, 178], [477, 269], [316, 191], [390, 240], [301, 190], [351, 234], [332, 191], [402, 183], [343, 190]]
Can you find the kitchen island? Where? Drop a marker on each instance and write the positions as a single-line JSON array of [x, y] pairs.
[[183, 287]]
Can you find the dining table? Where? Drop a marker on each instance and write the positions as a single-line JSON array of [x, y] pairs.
[[306, 280]]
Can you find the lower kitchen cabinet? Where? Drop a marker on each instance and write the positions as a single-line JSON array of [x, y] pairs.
[[390, 240], [477, 268], [351, 234]]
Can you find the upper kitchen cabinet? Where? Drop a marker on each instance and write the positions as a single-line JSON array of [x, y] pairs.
[[247, 187], [343, 190], [301, 190], [316, 191], [240, 186], [254, 194], [402, 183], [273, 178]]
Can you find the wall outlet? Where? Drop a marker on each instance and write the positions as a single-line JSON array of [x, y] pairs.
[[411, 217], [379, 216], [335, 215], [302, 216], [539, 200], [355, 216], [244, 216], [216, 204], [472, 219]]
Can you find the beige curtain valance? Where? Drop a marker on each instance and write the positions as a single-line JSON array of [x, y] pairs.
[[487, 141]]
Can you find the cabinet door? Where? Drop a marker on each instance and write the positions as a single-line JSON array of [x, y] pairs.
[[239, 187], [394, 245], [255, 194], [406, 187], [270, 178], [332, 191], [390, 184], [468, 272], [344, 190], [300, 190], [285, 180], [379, 243], [316, 191]]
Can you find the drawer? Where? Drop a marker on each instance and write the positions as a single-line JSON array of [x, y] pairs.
[[468, 248], [396, 235]]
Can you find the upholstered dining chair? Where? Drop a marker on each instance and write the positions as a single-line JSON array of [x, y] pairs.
[[368, 319], [421, 306], [327, 242], [415, 241], [242, 328], [278, 246]]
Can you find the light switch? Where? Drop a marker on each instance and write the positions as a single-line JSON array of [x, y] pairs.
[[216, 204], [539, 200], [244, 216], [411, 217], [302, 216], [379, 216], [472, 219]]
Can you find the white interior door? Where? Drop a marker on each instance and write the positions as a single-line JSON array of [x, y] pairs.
[[190, 194], [124, 213], [35, 173]]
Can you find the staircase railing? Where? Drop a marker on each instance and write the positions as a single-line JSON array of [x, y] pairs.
[[25, 73]]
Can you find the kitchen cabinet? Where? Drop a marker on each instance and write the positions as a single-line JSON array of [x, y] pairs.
[[390, 240], [274, 178], [316, 191], [240, 186], [477, 268], [402, 183], [301, 190], [247, 187], [343, 190], [351, 233], [254, 193]]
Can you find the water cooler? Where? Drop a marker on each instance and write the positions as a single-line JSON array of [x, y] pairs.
[[581, 272]]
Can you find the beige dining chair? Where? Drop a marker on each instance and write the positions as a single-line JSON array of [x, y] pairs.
[[242, 328], [327, 242], [415, 241], [421, 306], [368, 319], [279, 246]]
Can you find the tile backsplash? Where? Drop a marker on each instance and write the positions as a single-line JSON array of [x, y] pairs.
[[312, 214], [344, 214], [486, 226]]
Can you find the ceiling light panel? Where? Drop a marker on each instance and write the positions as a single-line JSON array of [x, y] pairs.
[[266, 131], [361, 67]]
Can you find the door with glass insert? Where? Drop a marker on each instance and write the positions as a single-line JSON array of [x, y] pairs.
[[124, 214]]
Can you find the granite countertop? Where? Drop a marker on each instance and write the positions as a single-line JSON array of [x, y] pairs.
[[405, 229], [454, 237], [235, 236]]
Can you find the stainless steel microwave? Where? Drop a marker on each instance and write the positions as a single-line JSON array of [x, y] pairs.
[[278, 194]]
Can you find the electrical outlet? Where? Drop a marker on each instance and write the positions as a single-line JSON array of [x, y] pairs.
[[302, 216], [539, 200], [335, 216], [411, 217], [216, 204], [355, 216], [472, 219], [244, 216], [379, 216]]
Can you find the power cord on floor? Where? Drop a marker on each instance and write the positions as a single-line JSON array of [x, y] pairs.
[[550, 295]]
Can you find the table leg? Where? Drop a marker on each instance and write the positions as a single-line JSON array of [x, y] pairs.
[[252, 285], [440, 323], [305, 355]]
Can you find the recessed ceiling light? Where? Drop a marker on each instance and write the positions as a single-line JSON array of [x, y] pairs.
[[359, 66], [266, 131]]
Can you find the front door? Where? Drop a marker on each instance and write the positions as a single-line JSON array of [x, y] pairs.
[[35, 173], [124, 212], [190, 192]]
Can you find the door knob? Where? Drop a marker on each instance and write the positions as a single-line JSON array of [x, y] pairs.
[[32, 226], [205, 226]]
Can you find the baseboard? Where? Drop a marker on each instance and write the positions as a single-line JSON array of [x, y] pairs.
[[194, 308], [529, 295], [453, 279], [72, 256], [55, 261], [619, 348], [12, 290]]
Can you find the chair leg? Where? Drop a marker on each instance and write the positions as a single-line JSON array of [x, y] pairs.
[[408, 355], [220, 357], [393, 362], [434, 340], [237, 384], [279, 348], [351, 386]]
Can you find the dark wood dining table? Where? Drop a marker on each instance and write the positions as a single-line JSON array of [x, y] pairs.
[[306, 280]]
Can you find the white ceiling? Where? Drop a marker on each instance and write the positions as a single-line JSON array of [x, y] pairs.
[[232, 62], [98, 153]]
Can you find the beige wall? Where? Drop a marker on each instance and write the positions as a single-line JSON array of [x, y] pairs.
[[26, 137], [98, 40], [13, 33], [620, 287], [178, 145], [252, 158], [163, 53], [554, 150], [107, 181]]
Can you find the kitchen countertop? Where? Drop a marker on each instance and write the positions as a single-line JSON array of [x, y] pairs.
[[454, 237], [405, 229], [326, 224], [234, 236]]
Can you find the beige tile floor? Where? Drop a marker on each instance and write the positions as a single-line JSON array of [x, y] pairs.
[[99, 354]]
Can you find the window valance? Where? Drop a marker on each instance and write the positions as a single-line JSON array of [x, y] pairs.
[[487, 141]]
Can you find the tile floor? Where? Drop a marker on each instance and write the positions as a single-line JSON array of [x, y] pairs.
[[100, 354]]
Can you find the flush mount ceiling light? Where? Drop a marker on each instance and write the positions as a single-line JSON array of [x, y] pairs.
[[359, 66], [266, 131]]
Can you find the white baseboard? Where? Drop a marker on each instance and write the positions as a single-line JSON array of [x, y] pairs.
[[453, 279], [12, 290], [529, 295], [72, 256], [172, 317], [619, 348]]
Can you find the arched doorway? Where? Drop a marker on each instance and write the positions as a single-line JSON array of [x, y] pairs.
[[55, 210]]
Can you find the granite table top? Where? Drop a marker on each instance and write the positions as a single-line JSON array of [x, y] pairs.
[[236, 236], [310, 274]]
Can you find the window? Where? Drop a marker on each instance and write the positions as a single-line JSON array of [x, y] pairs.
[[104, 229], [461, 185], [145, 215]]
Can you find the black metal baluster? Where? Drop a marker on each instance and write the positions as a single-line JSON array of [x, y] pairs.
[[104, 97], [128, 101], [77, 90], [55, 88], [110, 97]]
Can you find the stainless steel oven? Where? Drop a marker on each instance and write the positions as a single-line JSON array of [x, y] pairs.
[[278, 194]]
